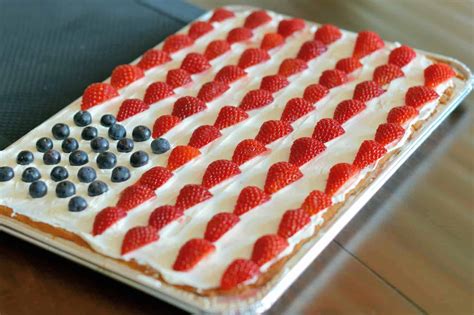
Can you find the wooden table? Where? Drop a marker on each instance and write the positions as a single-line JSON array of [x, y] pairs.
[[410, 250]]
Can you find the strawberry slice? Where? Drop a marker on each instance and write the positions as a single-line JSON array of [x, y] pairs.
[[333, 78], [199, 28], [155, 177], [218, 171], [252, 56], [249, 198], [437, 74], [327, 129], [97, 93], [388, 133], [339, 174], [164, 215], [292, 222], [190, 195], [274, 83], [176, 78], [296, 108], [290, 26], [256, 19], [195, 63], [181, 155], [187, 106], [138, 237], [366, 43], [216, 48], [315, 92], [348, 65], [418, 96], [133, 196], [124, 75], [156, 92], [291, 66], [369, 152], [311, 49], [367, 90], [238, 272], [304, 150], [385, 74], [220, 224], [400, 115], [177, 42], [130, 108], [267, 248], [211, 90], [229, 74], [106, 218], [221, 14], [272, 130], [246, 150], [153, 58], [315, 202], [279, 175], [256, 99], [271, 40], [401, 56], [239, 34], [191, 253], [163, 124], [348, 109], [203, 135], [228, 116], [327, 34]]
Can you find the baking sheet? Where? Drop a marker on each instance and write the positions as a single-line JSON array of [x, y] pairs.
[[260, 299]]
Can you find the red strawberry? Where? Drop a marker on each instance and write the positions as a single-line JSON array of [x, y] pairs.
[[191, 253], [156, 92], [267, 248], [327, 129], [221, 14], [229, 74], [153, 58], [252, 56], [199, 28], [304, 150], [366, 43], [274, 83], [418, 96], [220, 224], [271, 40], [187, 106], [246, 150], [384, 74], [369, 152], [279, 175], [327, 34], [315, 202], [311, 49], [218, 171], [138, 237], [163, 124], [249, 198], [400, 115], [195, 63], [315, 92], [178, 77], [238, 272], [228, 116], [164, 215], [106, 218], [272, 130], [296, 108], [177, 42], [97, 93], [437, 74], [123, 75], [291, 66], [131, 107], [292, 222], [181, 155], [347, 109], [348, 65], [255, 99], [239, 34], [256, 19], [367, 90], [388, 133], [211, 90], [288, 27], [401, 56], [155, 177], [216, 48], [203, 135], [339, 174], [134, 195], [191, 195], [332, 78]]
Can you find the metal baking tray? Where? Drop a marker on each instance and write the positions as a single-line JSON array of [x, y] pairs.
[[260, 299]]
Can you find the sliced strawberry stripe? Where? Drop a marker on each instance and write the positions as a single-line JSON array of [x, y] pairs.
[[192, 253], [293, 221], [106, 218], [219, 171], [133, 196], [220, 224], [138, 237], [164, 215]]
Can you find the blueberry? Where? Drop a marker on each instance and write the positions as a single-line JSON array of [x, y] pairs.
[[78, 158], [6, 173], [117, 132], [25, 158], [120, 174], [138, 159], [125, 145], [69, 145], [97, 188], [86, 174], [160, 146], [60, 131], [82, 118], [59, 173], [51, 157], [38, 189], [99, 144], [89, 133], [65, 189], [106, 160], [141, 133], [30, 175], [107, 120], [77, 204], [44, 144]]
